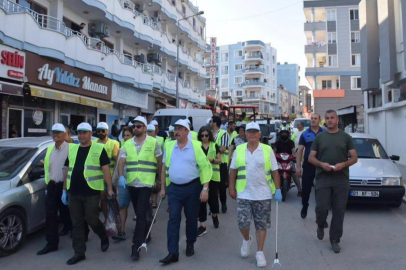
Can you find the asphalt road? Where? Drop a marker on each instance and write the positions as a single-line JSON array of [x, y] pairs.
[[374, 238]]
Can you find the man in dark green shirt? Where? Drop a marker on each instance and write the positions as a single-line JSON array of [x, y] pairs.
[[330, 155]]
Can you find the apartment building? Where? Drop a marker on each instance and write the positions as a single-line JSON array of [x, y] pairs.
[[383, 71], [96, 60], [288, 76], [246, 75], [305, 101], [288, 104], [333, 53]]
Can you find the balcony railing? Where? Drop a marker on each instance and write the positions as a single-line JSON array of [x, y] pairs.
[[253, 83], [253, 55], [171, 77], [252, 69]]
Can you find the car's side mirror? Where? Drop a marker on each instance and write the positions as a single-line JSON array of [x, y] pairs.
[[395, 158], [36, 173]]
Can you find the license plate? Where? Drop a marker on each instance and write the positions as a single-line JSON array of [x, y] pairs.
[[356, 193]]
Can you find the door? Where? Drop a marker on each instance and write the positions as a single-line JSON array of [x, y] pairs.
[[65, 119], [15, 123], [76, 120]]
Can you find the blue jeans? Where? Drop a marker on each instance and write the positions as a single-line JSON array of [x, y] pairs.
[[188, 197]]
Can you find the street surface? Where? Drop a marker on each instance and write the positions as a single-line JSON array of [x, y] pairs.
[[374, 238]]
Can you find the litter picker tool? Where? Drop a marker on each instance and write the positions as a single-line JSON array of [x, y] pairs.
[[144, 245], [276, 261]]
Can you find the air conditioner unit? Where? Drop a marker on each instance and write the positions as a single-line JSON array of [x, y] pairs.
[[98, 29], [140, 7], [140, 58], [154, 57]]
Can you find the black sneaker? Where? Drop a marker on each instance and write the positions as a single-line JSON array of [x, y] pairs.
[[216, 222], [201, 231], [303, 213], [224, 208], [325, 225], [320, 232], [119, 237], [335, 247]]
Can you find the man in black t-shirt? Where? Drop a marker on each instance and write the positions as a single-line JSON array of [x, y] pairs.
[[83, 194], [284, 144]]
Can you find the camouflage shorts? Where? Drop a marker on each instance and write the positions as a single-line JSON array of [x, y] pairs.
[[260, 211]]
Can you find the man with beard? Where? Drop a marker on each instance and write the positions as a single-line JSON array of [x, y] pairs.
[[231, 131], [112, 148]]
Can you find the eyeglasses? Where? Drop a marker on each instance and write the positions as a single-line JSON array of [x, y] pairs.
[[100, 131], [137, 126], [204, 135]]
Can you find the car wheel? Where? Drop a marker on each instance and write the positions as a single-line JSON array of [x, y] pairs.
[[397, 204], [12, 231]]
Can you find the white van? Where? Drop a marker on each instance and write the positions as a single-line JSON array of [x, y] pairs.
[[167, 117]]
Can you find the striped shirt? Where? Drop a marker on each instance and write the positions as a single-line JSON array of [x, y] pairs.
[[224, 139], [57, 161]]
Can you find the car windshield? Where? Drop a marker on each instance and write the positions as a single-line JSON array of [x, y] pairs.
[[264, 131], [369, 148], [165, 121], [306, 123], [13, 159]]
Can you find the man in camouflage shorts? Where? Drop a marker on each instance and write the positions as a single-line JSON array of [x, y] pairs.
[[252, 164]]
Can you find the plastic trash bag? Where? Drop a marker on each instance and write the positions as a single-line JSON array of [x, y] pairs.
[[113, 221]]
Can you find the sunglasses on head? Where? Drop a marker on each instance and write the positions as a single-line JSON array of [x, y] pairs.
[[137, 126], [100, 131], [204, 135]]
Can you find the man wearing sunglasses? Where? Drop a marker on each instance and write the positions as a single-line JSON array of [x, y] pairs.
[[112, 148], [143, 157], [54, 167]]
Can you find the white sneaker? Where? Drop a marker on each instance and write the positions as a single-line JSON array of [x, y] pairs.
[[261, 261], [245, 248]]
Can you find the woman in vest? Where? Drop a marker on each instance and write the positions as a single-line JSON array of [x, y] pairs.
[[124, 198], [212, 151]]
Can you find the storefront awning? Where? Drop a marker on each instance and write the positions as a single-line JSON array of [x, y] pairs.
[[168, 106], [11, 88], [43, 92]]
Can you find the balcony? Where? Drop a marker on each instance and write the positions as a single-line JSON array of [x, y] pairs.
[[315, 26], [253, 83], [329, 93], [254, 44], [254, 69], [253, 56], [316, 47]]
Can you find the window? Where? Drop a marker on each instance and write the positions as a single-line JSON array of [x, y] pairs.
[[194, 22], [239, 93], [338, 84], [354, 15], [355, 37], [273, 72], [237, 80], [332, 38], [273, 59], [332, 61], [224, 94], [356, 60], [355, 83], [184, 10], [326, 84], [331, 15], [224, 70], [224, 57], [224, 82], [237, 54], [238, 67], [252, 94]]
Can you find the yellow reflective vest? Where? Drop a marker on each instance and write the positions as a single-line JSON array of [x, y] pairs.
[[109, 147], [46, 163], [201, 160], [143, 165], [242, 170], [93, 173], [215, 167], [194, 135]]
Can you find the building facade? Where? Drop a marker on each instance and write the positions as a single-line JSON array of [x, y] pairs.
[[289, 107], [96, 60], [384, 72], [288, 76], [246, 75], [305, 101], [333, 53]]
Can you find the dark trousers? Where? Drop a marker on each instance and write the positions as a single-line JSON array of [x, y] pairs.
[[309, 173], [140, 199], [223, 182], [81, 208], [335, 197], [54, 204], [188, 197], [213, 201]]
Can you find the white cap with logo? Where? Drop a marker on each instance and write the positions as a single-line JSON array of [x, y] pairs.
[[84, 127], [183, 123], [58, 127], [252, 126], [102, 125], [154, 122], [150, 127], [140, 119], [171, 129]]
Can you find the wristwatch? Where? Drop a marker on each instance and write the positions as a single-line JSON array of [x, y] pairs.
[[206, 188]]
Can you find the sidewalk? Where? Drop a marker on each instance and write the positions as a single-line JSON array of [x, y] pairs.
[[402, 169]]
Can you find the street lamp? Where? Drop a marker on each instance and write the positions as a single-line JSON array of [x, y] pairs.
[[177, 55]]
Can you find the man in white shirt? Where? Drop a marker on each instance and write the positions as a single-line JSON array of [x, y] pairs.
[[255, 166]]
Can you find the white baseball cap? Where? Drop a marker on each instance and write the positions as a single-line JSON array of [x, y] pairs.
[[84, 127], [130, 124], [208, 121], [140, 119], [252, 126], [58, 127], [183, 123], [102, 125], [154, 122], [171, 128], [188, 121], [150, 127]]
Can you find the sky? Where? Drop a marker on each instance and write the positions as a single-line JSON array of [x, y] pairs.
[[282, 26]]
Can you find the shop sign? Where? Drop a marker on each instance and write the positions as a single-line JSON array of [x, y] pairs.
[[37, 117], [52, 74], [129, 96], [12, 63], [213, 62]]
